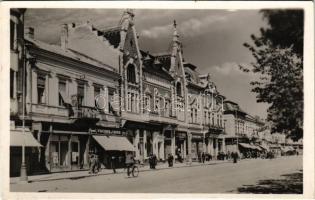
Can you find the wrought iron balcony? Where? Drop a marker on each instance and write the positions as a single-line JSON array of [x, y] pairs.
[[84, 112]]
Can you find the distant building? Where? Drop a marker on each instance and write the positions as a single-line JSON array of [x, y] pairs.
[[242, 129]]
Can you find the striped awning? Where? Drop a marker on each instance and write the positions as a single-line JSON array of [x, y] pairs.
[[18, 138]]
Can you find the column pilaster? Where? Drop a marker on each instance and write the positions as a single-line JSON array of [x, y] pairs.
[[28, 87], [145, 144], [90, 94], [34, 87], [223, 145], [136, 143], [173, 143], [189, 137]]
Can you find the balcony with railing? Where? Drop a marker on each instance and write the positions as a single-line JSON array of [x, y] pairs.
[[44, 109], [91, 114]]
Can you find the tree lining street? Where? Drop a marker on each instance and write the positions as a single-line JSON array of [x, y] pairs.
[[220, 178]]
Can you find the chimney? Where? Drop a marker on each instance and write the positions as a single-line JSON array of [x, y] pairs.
[[64, 36], [29, 32]]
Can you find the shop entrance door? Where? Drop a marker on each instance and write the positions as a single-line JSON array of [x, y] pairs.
[[75, 164], [63, 154]]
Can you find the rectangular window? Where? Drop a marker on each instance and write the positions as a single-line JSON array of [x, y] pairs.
[[11, 83], [196, 115], [129, 101], [12, 34], [62, 92], [218, 119], [80, 94], [97, 92], [132, 99], [41, 80], [212, 122], [157, 105], [146, 106], [167, 109], [191, 115]]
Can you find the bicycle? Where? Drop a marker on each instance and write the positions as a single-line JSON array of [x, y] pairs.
[[134, 170]]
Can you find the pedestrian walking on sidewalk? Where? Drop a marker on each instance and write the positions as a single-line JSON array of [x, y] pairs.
[[234, 156], [113, 163], [170, 159], [92, 163], [97, 166], [203, 157], [154, 161], [151, 160]]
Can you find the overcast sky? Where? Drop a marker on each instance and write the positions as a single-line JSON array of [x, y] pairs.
[[212, 40]]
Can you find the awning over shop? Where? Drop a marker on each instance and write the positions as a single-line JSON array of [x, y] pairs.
[[18, 138], [249, 146], [275, 147], [264, 147], [258, 147], [114, 143], [287, 148]]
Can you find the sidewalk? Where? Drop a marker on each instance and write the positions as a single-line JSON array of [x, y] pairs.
[[84, 173]]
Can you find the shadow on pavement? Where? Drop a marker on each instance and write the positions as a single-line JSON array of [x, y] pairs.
[[290, 184]]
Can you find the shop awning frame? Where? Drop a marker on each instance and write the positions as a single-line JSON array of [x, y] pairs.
[[114, 143], [249, 146], [19, 139]]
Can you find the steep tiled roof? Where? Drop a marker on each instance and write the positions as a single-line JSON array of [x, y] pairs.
[[69, 53], [232, 106], [149, 65]]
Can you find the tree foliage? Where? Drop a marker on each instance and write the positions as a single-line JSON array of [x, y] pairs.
[[278, 53]]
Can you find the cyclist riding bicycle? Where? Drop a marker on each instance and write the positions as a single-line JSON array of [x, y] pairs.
[[130, 161]]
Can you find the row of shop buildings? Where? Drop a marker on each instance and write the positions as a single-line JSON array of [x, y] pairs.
[[98, 91]]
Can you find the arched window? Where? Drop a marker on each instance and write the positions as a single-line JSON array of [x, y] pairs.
[[179, 89], [131, 74]]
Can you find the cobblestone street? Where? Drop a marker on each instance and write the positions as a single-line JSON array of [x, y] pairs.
[[218, 178]]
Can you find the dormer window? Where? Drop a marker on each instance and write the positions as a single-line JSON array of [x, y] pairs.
[[188, 77], [131, 74]]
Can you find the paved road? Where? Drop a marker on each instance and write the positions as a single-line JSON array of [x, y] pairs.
[[220, 178]]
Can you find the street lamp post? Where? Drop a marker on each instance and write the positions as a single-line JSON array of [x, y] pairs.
[[23, 170]]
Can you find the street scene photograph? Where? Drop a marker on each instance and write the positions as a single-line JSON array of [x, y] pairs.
[[156, 101]]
